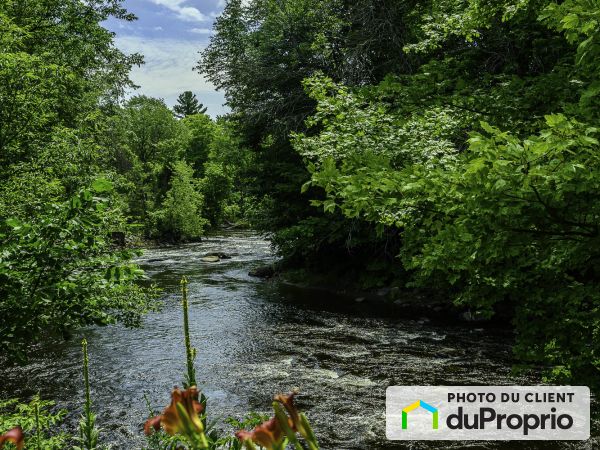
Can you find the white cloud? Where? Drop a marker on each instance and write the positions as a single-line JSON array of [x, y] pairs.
[[186, 13], [169, 70], [200, 30], [223, 3], [158, 28]]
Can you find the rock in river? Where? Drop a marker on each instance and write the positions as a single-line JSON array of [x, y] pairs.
[[210, 259], [220, 255], [263, 271]]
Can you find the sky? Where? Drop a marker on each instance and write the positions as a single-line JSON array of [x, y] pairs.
[[170, 34]]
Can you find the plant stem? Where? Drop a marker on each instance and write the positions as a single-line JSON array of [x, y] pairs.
[[88, 401], [282, 418], [189, 351], [311, 439], [37, 425], [147, 400]]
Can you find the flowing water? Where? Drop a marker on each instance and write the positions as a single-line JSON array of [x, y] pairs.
[[257, 338]]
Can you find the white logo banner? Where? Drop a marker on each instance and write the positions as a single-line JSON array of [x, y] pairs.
[[488, 413]]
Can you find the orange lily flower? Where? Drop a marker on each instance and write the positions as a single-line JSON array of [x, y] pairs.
[[288, 403], [177, 419], [152, 424], [268, 435], [15, 436], [181, 416]]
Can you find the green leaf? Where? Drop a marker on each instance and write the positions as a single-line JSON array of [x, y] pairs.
[[306, 186], [13, 223], [101, 185]]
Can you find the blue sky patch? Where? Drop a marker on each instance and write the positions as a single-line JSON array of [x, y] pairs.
[[170, 34]]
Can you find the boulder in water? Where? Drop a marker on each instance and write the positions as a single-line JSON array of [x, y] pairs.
[[263, 271], [219, 255]]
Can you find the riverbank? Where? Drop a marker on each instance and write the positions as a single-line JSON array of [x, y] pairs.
[[394, 300]]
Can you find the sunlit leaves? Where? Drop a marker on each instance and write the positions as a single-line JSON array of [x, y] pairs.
[[491, 180], [180, 215], [102, 185], [59, 271]]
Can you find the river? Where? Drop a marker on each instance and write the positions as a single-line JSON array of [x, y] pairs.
[[257, 338]]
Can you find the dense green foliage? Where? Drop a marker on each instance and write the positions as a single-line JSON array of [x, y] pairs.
[[467, 133], [39, 421], [261, 68], [179, 216], [500, 218], [59, 75], [176, 175], [81, 172], [259, 55], [59, 271]]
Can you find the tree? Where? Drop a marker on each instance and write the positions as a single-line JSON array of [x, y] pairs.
[[491, 182], [153, 140], [260, 54], [179, 217], [60, 74], [65, 60], [60, 78], [149, 126], [201, 133], [223, 183], [58, 271], [188, 105]]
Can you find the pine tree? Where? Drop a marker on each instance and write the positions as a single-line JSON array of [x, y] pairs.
[[188, 105]]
